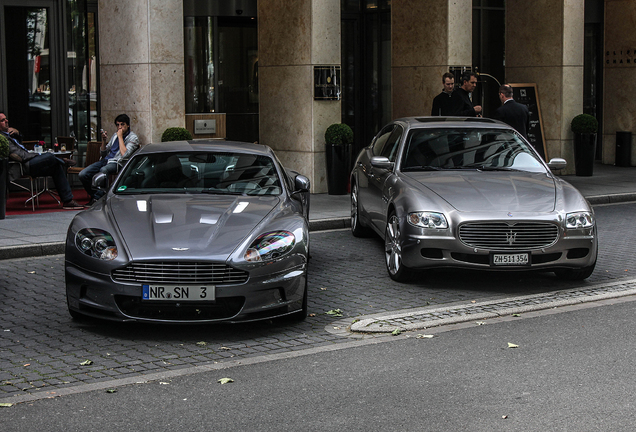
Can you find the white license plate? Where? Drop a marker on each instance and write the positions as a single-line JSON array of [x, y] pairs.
[[511, 259], [178, 292]]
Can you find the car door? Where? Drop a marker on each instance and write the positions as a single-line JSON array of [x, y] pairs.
[[380, 178], [365, 173]]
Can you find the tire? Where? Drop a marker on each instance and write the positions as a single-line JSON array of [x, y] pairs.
[[357, 229], [393, 251], [575, 274]]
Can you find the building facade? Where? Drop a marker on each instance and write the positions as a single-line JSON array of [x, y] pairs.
[[249, 67]]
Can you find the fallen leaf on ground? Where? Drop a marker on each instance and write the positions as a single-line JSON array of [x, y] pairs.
[[312, 315], [6, 405], [32, 272], [511, 345], [86, 363], [323, 289], [516, 315], [480, 322], [335, 312], [164, 383], [423, 336], [226, 348], [202, 343], [396, 332], [473, 301], [226, 380], [27, 364], [504, 416], [111, 391]]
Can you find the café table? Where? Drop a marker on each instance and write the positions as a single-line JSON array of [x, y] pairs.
[[54, 194]]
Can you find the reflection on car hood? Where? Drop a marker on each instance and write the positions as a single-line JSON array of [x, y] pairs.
[[187, 226], [492, 191]]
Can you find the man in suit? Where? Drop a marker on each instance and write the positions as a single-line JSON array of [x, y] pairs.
[[462, 103], [512, 112], [38, 165], [442, 104]]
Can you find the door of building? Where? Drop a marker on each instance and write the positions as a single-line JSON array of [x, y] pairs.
[[31, 90]]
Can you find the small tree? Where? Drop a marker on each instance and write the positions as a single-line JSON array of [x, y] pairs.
[[4, 147], [176, 134], [339, 134]]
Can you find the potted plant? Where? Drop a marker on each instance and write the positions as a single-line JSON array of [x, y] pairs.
[[584, 127], [338, 140], [4, 174], [176, 134]]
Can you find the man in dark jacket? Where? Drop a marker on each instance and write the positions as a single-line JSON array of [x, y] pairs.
[[37, 165], [462, 103], [442, 104], [512, 112]]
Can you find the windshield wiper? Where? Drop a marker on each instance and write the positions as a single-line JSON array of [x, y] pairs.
[[421, 168], [487, 168], [221, 192]]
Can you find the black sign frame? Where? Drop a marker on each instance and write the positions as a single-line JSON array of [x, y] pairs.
[[327, 83], [528, 95]]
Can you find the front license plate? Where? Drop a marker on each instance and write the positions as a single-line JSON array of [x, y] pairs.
[[510, 259], [178, 292]]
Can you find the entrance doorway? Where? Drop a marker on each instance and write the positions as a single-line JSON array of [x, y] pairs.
[[29, 82]]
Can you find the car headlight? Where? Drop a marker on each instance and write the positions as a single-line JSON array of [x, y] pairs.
[[428, 220], [579, 220], [269, 246], [96, 243]]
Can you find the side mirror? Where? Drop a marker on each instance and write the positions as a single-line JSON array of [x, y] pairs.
[[381, 162], [301, 184], [100, 181], [557, 164]]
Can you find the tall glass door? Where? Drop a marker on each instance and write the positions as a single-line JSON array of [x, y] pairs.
[[28, 70]]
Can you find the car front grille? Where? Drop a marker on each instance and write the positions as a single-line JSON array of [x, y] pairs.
[[508, 236], [179, 272]]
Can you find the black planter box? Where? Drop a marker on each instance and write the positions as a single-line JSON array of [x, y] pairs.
[[584, 154], [338, 169]]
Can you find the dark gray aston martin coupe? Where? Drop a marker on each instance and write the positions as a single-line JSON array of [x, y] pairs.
[[193, 232], [469, 193]]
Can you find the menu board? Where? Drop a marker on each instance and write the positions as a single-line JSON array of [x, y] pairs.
[[528, 95]]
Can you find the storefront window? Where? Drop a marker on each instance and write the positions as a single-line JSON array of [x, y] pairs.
[[81, 85], [199, 64]]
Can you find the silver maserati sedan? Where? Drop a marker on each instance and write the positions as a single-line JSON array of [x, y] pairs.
[[469, 193], [192, 232]]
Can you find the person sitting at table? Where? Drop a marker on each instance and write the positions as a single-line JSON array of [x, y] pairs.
[[37, 165], [121, 146]]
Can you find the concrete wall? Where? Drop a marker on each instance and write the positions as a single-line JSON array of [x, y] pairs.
[[544, 45], [293, 38], [619, 103], [427, 37], [141, 65]]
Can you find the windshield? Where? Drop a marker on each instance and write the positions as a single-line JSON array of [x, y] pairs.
[[466, 148], [200, 172]]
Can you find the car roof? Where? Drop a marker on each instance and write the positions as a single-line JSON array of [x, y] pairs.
[[206, 145], [446, 122]]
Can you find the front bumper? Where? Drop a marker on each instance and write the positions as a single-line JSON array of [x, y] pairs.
[[267, 294]]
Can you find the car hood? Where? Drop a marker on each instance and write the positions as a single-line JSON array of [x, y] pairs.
[[492, 191], [187, 226]]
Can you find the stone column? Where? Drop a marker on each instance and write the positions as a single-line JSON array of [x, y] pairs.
[[427, 38], [544, 45], [619, 104], [141, 65], [294, 37]]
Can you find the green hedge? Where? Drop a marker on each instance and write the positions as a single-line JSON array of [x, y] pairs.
[[584, 123], [176, 134], [339, 134]]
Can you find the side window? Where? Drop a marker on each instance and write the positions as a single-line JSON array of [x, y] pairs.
[[391, 147], [383, 137]]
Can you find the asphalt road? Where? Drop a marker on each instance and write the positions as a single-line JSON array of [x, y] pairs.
[[571, 369], [43, 352]]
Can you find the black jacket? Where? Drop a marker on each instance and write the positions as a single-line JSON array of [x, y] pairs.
[[514, 114]]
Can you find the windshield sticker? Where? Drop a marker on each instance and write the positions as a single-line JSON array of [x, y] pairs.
[[121, 188]]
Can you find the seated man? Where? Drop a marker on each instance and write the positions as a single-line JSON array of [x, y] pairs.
[[121, 146], [38, 165]]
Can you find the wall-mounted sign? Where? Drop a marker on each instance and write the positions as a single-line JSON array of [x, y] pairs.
[[326, 82], [207, 126], [528, 95]]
